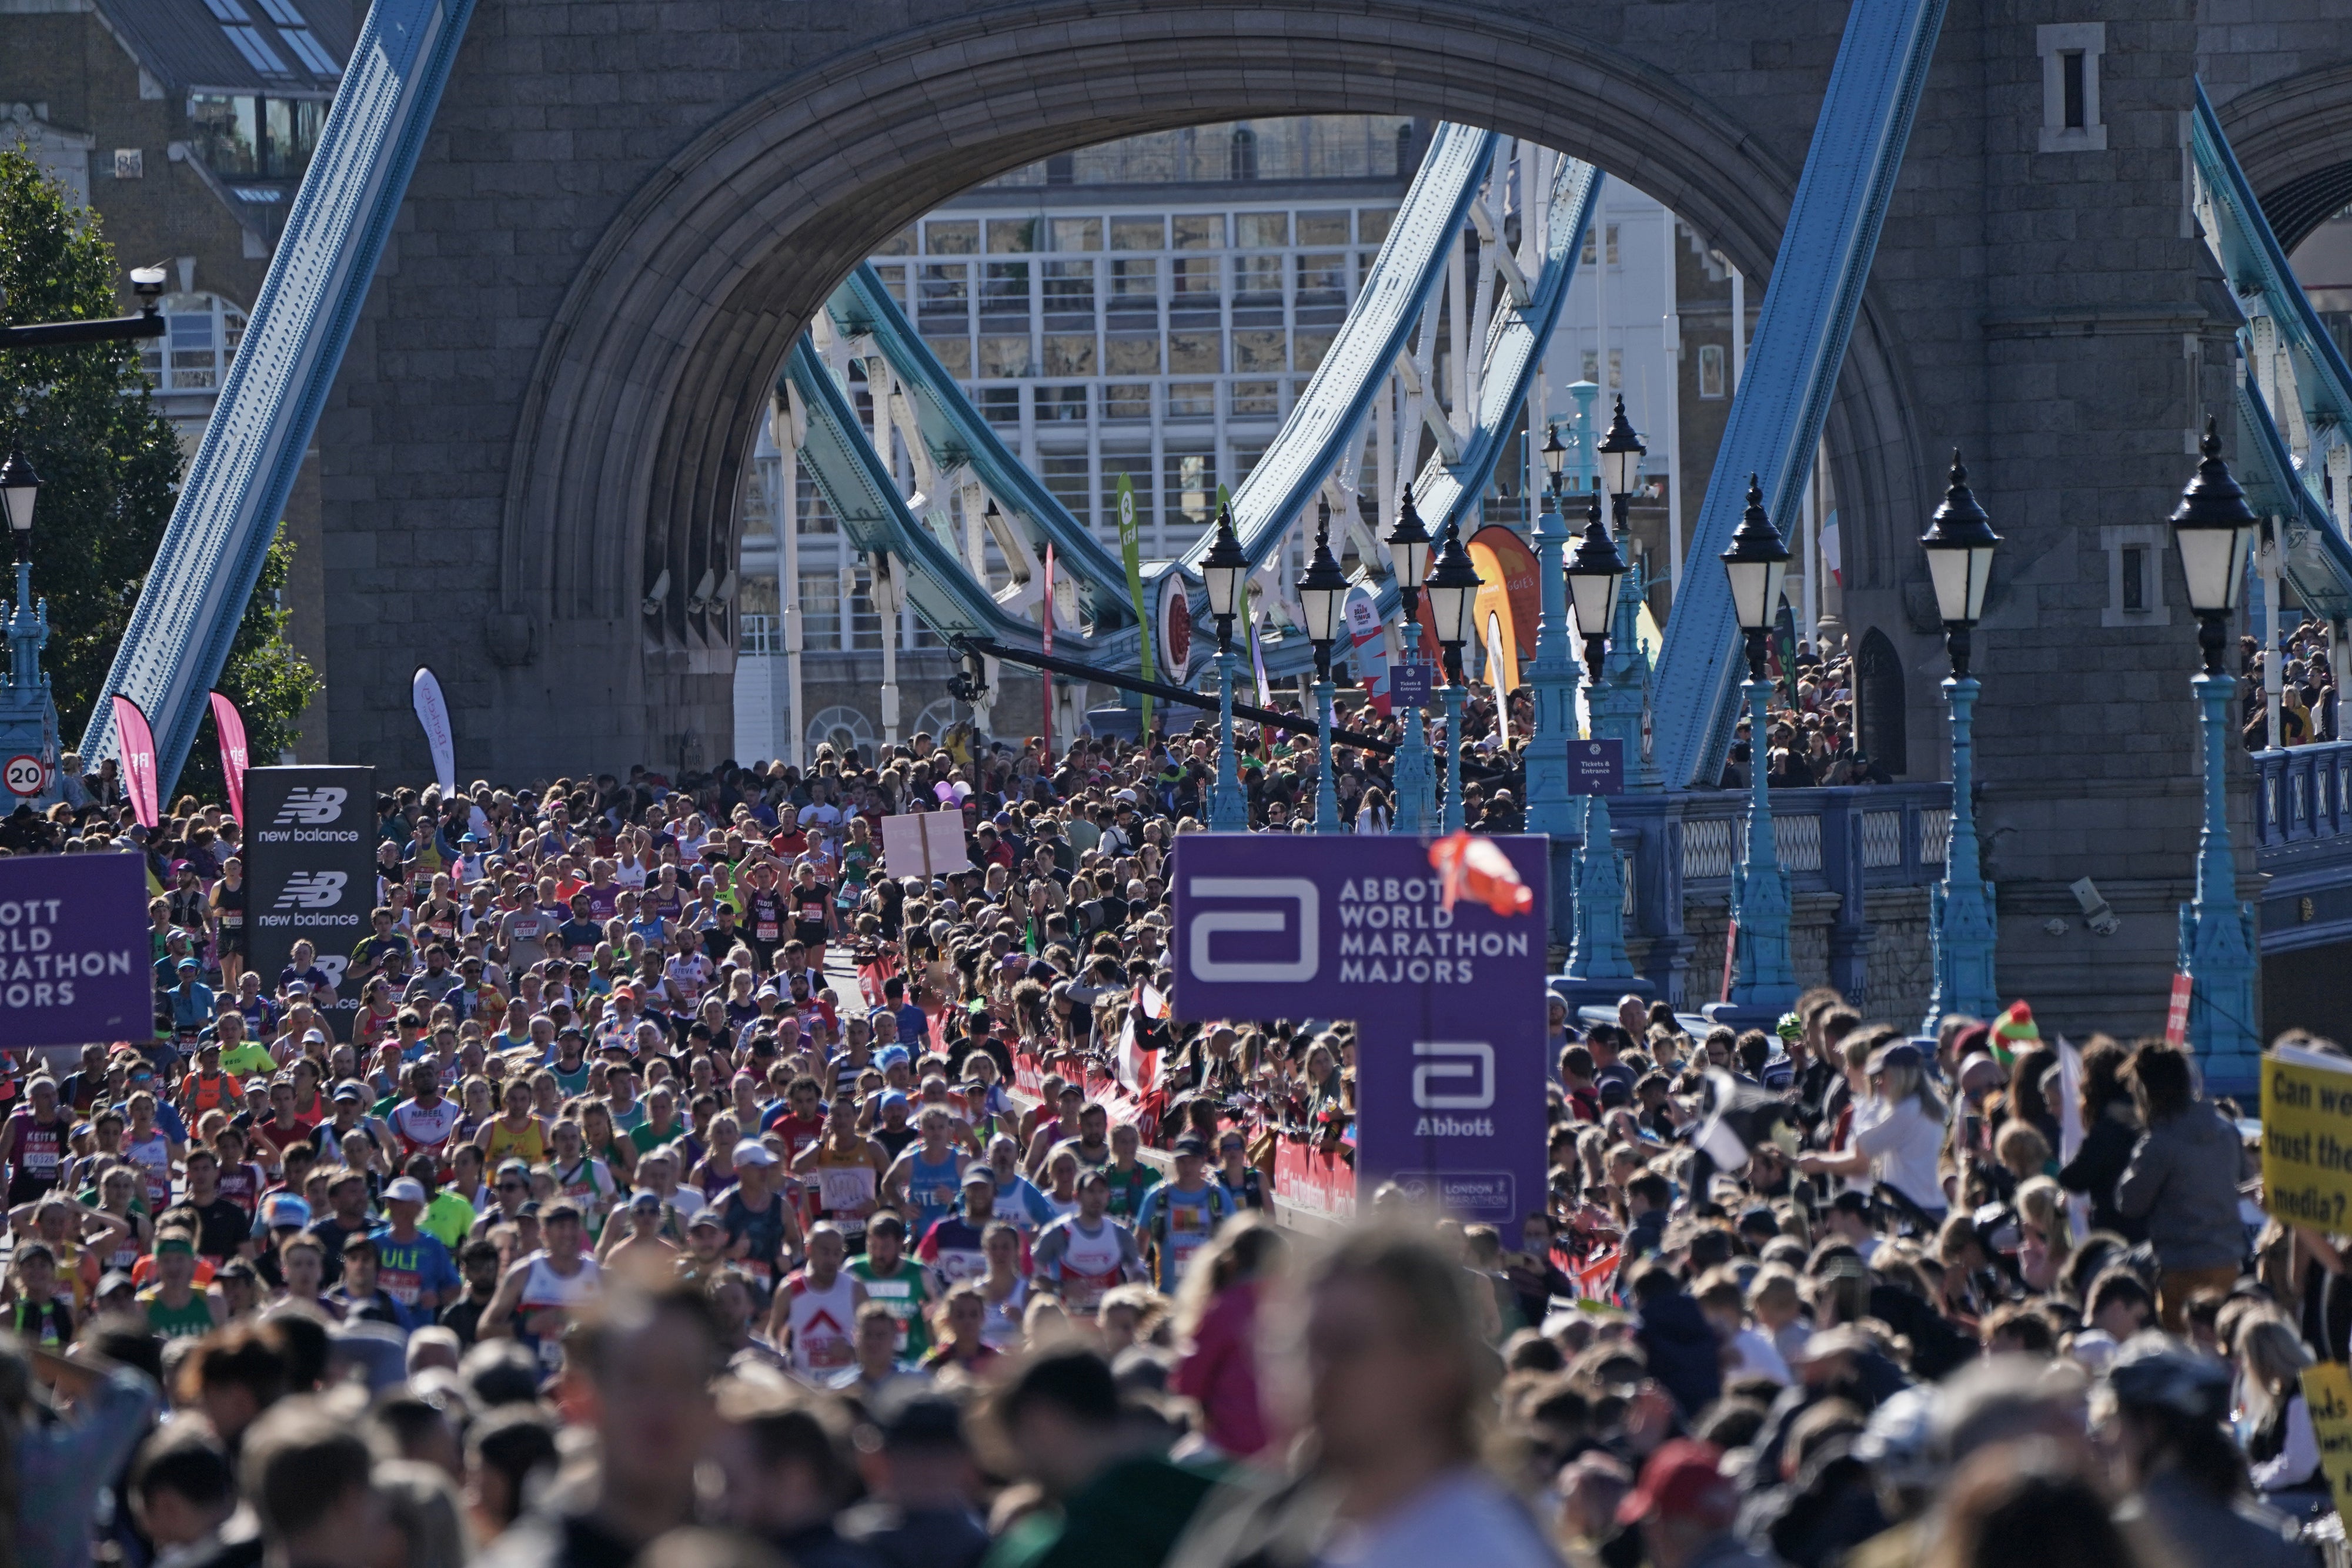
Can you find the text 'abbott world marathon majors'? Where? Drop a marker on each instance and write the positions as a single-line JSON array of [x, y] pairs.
[[310, 869]]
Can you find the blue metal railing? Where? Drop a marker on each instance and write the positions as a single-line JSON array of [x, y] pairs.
[[2303, 796], [1680, 846]]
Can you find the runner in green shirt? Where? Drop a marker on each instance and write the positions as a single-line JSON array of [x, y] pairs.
[[174, 1308], [897, 1282], [1130, 1178]]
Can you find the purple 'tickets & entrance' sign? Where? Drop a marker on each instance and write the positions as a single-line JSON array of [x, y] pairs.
[[74, 965], [1596, 767], [1448, 1005]]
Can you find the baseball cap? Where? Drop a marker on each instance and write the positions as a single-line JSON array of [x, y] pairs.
[[405, 1189], [349, 1093], [286, 1211], [751, 1152], [980, 1176], [894, 1098], [1191, 1144], [646, 1198], [314, 1037], [706, 1217], [190, 964], [1683, 1479], [115, 1280], [514, 1168]]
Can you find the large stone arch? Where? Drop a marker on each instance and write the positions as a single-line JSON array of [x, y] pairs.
[[631, 444], [2294, 139]]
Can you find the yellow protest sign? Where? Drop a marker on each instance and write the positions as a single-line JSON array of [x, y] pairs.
[[2327, 1395], [2307, 1138]]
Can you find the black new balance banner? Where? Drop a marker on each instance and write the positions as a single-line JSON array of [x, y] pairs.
[[310, 874]]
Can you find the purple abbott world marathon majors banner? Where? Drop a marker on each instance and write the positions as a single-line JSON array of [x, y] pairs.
[[1448, 1005], [74, 950]]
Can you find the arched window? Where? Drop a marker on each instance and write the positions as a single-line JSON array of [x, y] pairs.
[[1243, 162], [841, 729], [201, 333], [1878, 704]]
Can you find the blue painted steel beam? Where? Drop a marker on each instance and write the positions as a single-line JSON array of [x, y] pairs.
[[1517, 340], [865, 498], [2313, 554], [1409, 271], [235, 492], [1397, 292], [1516, 344], [1784, 392], [953, 432], [2255, 265]]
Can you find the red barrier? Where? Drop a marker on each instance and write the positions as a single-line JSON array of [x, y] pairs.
[[1314, 1182], [1123, 1107], [872, 969]]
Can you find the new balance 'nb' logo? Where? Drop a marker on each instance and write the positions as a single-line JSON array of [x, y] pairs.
[[323, 804], [311, 889]]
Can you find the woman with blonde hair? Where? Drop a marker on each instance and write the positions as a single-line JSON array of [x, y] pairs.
[[2273, 1421], [2046, 1230], [1897, 1133]]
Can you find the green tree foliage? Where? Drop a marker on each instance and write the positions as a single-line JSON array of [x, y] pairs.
[[110, 467]]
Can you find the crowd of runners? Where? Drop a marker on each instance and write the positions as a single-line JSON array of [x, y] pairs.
[[689, 1187]]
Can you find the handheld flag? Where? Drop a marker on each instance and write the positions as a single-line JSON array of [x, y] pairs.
[[1471, 867]]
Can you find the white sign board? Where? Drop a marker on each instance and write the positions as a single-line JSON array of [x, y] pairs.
[[924, 843]]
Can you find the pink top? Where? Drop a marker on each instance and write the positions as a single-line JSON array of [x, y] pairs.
[[1220, 1372]]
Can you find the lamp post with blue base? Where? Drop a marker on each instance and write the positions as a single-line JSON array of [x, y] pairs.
[[2215, 529], [28, 713], [1320, 589], [1763, 984], [1415, 778], [1959, 543], [1599, 972], [1453, 591], [1222, 571], [1551, 680]]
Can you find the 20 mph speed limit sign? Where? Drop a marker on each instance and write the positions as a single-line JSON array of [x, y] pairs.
[[24, 775]]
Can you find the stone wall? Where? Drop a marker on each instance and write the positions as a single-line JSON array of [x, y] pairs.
[[1900, 970]]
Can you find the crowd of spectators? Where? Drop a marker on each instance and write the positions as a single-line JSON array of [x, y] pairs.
[[665, 1179], [2306, 689]]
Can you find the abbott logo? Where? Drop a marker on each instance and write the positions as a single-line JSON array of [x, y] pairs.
[[1211, 923], [1453, 1075], [314, 806], [311, 889]]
